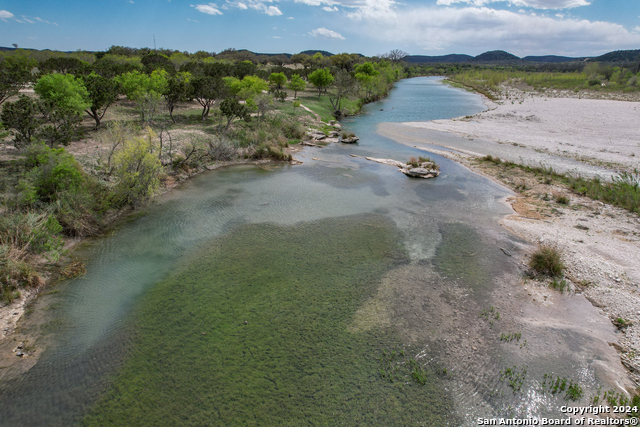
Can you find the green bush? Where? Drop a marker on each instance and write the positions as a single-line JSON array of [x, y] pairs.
[[547, 260]]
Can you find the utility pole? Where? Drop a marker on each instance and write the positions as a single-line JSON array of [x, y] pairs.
[[154, 42]]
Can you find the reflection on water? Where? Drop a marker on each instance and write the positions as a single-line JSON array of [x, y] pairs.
[[144, 322]]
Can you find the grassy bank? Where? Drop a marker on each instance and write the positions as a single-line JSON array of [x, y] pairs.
[[622, 191], [594, 78], [254, 330]]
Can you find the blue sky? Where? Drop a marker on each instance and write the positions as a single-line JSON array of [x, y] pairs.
[[427, 27]]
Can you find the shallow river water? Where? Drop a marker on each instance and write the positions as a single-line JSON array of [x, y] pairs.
[[335, 292]]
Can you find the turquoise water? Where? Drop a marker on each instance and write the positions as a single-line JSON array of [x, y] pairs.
[[424, 295]]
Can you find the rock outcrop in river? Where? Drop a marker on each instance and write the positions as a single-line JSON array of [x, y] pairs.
[[422, 170]]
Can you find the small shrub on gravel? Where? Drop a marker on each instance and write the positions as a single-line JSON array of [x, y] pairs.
[[547, 260]]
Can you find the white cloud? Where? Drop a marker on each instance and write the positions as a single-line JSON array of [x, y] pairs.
[[132, 2], [538, 4], [24, 18], [479, 29], [258, 5], [193, 20], [5, 14], [209, 9], [290, 17], [330, 9], [323, 33]]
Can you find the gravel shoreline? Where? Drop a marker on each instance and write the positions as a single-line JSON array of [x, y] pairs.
[[600, 243]]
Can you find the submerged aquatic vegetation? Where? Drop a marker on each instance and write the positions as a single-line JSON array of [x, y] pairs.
[[254, 330]]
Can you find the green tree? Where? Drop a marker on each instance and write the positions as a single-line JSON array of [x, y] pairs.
[[207, 91], [145, 90], [321, 79], [278, 80], [15, 73], [178, 90], [244, 69], [156, 61], [296, 84], [63, 65], [103, 92], [232, 109], [64, 99], [248, 87], [365, 75], [344, 61], [21, 116], [137, 171]]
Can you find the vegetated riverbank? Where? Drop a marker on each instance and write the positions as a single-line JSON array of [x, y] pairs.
[[600, 242], [186, 149]]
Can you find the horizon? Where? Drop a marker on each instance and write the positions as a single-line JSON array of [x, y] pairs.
[[574, 28]]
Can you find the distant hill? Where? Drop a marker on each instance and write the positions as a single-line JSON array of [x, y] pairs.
[[424, 59], [313, 52], [551, 58], [618, 56], [496, 56]]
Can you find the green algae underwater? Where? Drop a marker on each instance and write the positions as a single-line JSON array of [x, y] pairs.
[[254, 330]]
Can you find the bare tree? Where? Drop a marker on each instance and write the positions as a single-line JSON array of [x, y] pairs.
[[395, 55], [345, 84]]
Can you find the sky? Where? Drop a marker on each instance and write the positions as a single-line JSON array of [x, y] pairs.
[[369, 27]]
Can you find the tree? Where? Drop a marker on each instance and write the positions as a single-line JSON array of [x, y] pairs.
[[395, 55], [232, 109], [15, 73], [244, 68], [64, 99], [247, 88], [321, 79], [64, 65], [207, 90], [365, 74], [278, 80], [137, 171], [296, 84], [264, 102], [21, 116], [344, 84], [300, 58], [178, 90], [145, 90], [102, 93], [156, 61], [344, 61]]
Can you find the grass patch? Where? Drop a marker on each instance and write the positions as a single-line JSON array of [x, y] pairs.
[[547, 260], [514, 377], [559, 285], [622, 190], [254, 330], [572, 391]]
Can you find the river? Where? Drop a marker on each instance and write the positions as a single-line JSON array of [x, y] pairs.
[[335, 292]]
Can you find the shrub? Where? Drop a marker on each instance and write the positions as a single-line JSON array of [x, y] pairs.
[[562, 199], [547, 260], [137, 172]]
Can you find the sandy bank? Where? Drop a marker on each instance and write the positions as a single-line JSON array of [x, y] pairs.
[[600, 243], [600, 132]]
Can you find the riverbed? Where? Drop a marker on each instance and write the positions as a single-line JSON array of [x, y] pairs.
[[338, 291]]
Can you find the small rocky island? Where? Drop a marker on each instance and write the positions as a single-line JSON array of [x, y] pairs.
[[423, 167]]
